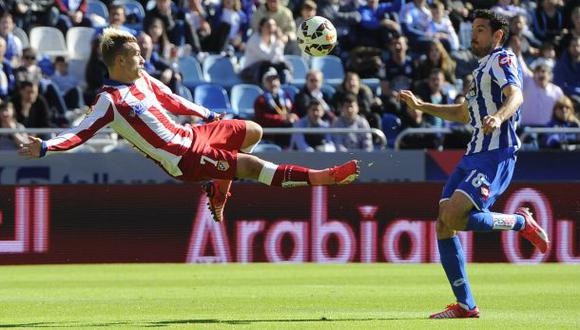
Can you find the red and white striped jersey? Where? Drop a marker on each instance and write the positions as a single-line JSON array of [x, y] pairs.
[[139, 113]]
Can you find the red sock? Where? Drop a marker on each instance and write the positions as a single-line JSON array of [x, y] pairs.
[[291, 176]]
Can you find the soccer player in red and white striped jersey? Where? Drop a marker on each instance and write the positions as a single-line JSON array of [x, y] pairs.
[[137, 107]]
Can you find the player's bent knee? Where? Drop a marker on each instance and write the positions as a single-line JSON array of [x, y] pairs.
[[254, 130], [451, 218]]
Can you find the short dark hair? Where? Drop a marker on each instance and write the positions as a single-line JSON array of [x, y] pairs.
[[496, 22], [314, 103], [435, 71], [348, 98]]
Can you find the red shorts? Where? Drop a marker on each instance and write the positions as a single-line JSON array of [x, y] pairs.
[[214, 151]]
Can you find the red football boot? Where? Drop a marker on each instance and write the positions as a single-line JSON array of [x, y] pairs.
[[345, 173], [532, 231], [216, 200], [454, 311]]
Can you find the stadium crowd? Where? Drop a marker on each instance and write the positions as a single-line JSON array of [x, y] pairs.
[[241, 56]]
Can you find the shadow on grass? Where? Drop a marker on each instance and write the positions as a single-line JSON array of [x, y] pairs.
[[165, 323]]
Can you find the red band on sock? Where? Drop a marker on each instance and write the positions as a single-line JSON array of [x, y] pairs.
[[294, 173]]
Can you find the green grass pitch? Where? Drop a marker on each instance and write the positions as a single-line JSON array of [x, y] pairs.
[[268, 296]]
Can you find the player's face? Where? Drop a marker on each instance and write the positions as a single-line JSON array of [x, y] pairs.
[[132, 62], [481, 38]]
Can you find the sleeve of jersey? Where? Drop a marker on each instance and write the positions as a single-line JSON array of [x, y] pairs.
[[100, 116], [175, 103], [505, 70]]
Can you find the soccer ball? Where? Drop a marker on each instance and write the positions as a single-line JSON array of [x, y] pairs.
[[316, 36]]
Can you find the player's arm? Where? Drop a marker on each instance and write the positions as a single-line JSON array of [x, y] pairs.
[[177, 104], [99, 116], [505, 72], [450, 112], [513, 100]]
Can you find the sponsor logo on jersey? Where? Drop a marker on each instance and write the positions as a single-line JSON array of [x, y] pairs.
[[485, 192], [222, 165], [504, 60]]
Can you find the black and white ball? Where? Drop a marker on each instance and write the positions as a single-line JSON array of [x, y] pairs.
[[316, 36]]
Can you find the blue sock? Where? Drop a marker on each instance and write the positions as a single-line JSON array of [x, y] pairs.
[[488, 221], [453, 262]]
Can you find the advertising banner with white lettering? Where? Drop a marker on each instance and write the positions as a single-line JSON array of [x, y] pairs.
[[364, 223]]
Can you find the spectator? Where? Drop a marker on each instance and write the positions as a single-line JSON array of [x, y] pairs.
[[574, 31], [567, 70], [161, 45], [505, 8], [399, 68], [117, 19], [29, 69], [431, 91], [95, 73], [547, 55], [284, 20], [155, 65], [31, 108], [368, 106], [6, 73], [7, 120], [344, 19], [440, 28], [265, 49], [548, 20], [417, 119], [180, 30], [212, 38], [378, 23], [313, 119], [274, 107], [307, 11], [529, 43], [13, 44], [415, 20], [67, 84], [72, 13], [349, 118], [540, 95], [563, 116], [437, 58], [238, 22], [311, 91]]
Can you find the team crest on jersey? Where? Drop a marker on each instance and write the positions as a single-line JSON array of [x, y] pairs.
[[137, 109], [504, 60], [222, 165], [89, 111], [485, 192]]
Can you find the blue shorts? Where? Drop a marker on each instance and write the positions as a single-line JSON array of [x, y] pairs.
[[482, 177]]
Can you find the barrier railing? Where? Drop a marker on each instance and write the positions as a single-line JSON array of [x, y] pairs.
[[548, 130], [285, 131], [412, 131]]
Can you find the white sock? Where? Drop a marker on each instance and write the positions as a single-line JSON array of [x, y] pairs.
[[267, 173]]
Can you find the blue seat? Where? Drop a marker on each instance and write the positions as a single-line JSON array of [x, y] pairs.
[[213, 97], [134, 12], [220, 70], [331, 67], [98, 8], [391, 127], [328, 89], [373, 83], [243, 97], [299, 69], [191, 71], [185, 93], [291, 90], [267, 147]]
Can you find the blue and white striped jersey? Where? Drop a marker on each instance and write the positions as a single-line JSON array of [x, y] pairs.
[[495, 71]]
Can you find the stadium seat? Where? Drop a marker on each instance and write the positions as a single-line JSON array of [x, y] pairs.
[[21, 34], [96, 7], [391, 127], [78, 41], [213, 97], [267, 147], [191, 71], [299, 69], [220, 70], [291, 90], [48, 41], [373, 83], [328, 89], [185, 93], [243, 97], [331, 67]]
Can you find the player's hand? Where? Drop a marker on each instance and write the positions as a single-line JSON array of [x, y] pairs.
[[490, 124], [32, 149], [410, 99]]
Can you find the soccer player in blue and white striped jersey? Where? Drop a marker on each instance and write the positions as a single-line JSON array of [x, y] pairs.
[[492, 108]]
